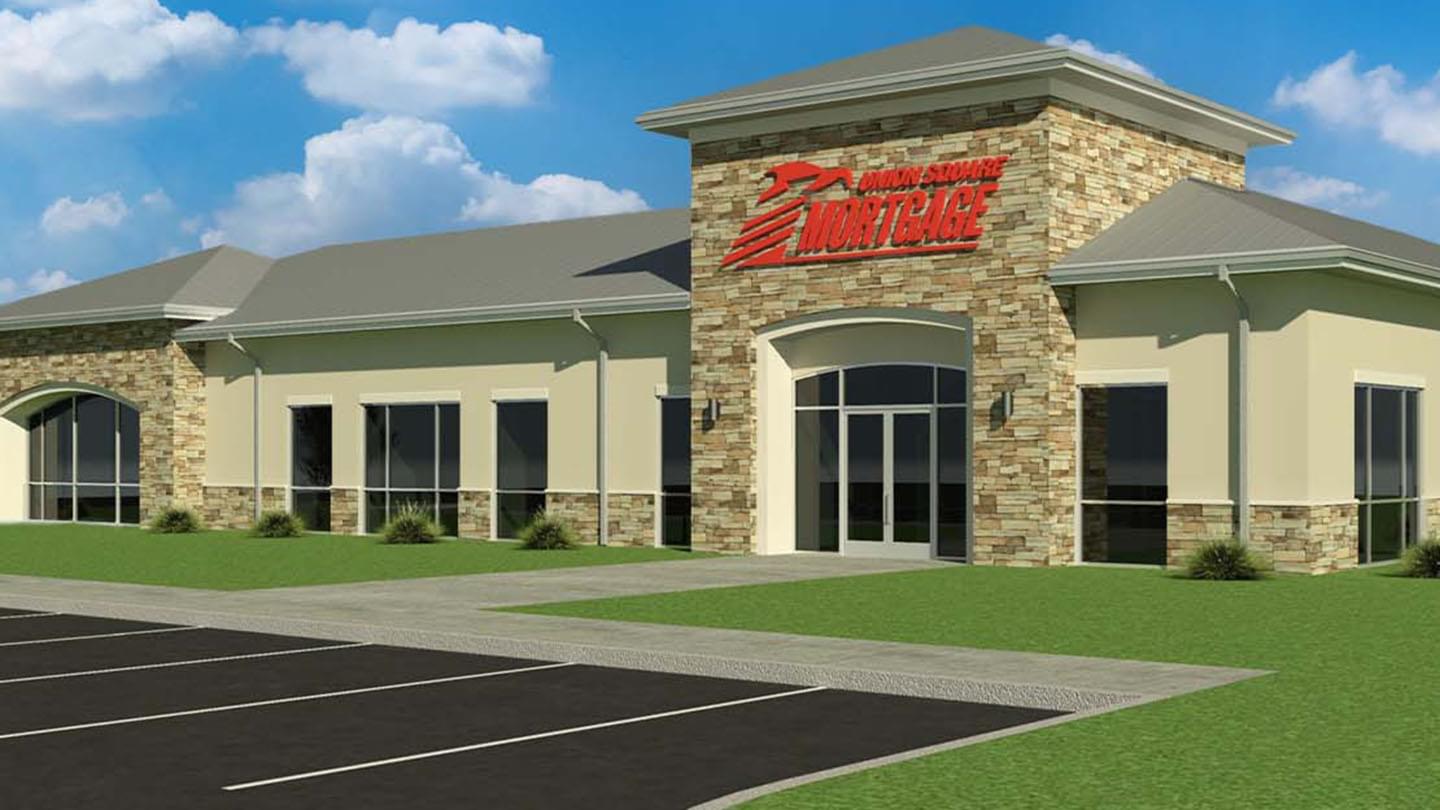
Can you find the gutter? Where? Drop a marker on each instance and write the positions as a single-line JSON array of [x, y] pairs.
[[1242, 405], [602, 361], [255, 412]]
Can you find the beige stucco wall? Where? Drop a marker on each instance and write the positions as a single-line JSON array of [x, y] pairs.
[[471, 363], [1314, 335], [1364, 331]]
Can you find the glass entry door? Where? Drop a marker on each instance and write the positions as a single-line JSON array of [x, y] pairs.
[[889, 488]]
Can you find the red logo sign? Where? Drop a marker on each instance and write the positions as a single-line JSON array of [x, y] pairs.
[[908, 210]]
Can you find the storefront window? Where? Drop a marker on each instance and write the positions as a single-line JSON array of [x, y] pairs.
[[310, 465], [85, 461], [412, 462], [675, 471], [904, 478], [521, 456], [1386, 471], [1123, 474]]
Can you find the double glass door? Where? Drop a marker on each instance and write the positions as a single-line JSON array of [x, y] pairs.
[[889, 483]]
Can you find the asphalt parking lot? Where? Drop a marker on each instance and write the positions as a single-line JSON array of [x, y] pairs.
[[111, 713]]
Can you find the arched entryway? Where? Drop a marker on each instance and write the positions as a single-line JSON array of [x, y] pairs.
[[864, 434], [74, 456]]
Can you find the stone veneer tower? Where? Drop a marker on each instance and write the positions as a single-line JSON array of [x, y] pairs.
[[1080, 158]]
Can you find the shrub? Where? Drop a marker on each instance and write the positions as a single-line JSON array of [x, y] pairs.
[[545, 531], [175, 520], [1423, 560], [278, 524], [411, 525], [1222, 559]]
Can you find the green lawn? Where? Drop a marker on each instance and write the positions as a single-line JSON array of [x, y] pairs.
[[1349, 720], [235, 561]]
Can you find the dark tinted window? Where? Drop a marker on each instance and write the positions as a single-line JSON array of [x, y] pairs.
[[1135, 438], [821, 389], [675, 445], [951, 485], [1385, 443], [817, 480], [95, 440], [313, 508], [412, 446], [310, 446], [1362, 439], [522, 445], [375, 447], [129, 446], [952, 386], [890, 385], [449, 473], [58, 435]]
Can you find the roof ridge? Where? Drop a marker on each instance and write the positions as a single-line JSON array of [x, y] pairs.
[[506, 227]]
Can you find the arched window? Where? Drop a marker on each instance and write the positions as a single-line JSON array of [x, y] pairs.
[[85, 461]]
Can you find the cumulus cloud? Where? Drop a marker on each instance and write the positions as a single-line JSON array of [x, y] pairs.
[[1380, 100], [40, 281], [1085, 46], [65, 215], [1317, 190], [157, 199], [102, 59], [387, 176], [419, 69]]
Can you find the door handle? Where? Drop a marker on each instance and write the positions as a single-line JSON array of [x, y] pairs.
[[886, 507]]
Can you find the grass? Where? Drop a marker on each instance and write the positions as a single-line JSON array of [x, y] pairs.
[[1348, 720], [233, 560]]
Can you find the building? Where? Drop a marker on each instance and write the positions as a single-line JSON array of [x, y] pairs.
[[972, 297]]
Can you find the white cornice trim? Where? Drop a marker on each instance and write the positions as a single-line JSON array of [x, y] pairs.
[[1059, 62], [660, 302], [149, 312], [1331, 257]]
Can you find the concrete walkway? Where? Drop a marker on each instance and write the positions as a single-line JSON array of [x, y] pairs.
[[451, 613]]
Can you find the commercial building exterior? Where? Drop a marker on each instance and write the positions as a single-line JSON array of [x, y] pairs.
[[973, 298]]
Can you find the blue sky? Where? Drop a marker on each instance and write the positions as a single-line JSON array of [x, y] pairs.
[[131, 130]]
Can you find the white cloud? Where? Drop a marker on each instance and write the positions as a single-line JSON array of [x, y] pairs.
[[1085, 46], [65, 215], [157, 200], [102, 59], [40, 281], [387, 176], [419, 69], [1317, 190], [1378, 99], [549, 196]]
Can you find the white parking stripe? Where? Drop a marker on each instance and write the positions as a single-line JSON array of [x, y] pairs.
[[95, 635], [230, 707], [26, 616], [191, 662], [379, 763]]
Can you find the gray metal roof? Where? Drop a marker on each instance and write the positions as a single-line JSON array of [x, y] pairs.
[[606, 264], [196, 286], [965, 57], [1196, 224], [970, 44]]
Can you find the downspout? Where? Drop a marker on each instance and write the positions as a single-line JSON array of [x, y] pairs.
[[602, 361], [255, 415], [1242, 407]]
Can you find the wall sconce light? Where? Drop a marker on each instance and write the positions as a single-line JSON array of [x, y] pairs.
[[1007, 405], [712, 413]]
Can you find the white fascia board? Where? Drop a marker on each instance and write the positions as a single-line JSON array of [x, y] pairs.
[[178, 312], [662, 302], [1275, 261], [1058, 62]]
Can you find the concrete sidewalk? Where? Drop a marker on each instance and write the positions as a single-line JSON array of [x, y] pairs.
[[450, 613]]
